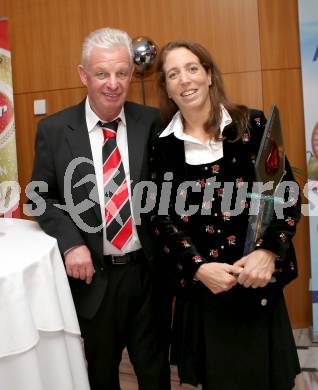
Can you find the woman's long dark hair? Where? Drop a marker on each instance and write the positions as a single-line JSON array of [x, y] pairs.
[[168, 108]]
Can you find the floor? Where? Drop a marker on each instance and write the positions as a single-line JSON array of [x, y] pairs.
[[307, 380], [308, 356]]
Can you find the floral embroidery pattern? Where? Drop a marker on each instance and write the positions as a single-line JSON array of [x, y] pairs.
[[197, 259], [290, 221], [185, 218], [259, 242], [220, 192], [201, 183], [257, 121], [215, 168], [231, 240], [209, 229], [246, 137], [244, 204], [283, 237], [174, 228], [185, 243], [226, 215], [214, 253], [239, 182]]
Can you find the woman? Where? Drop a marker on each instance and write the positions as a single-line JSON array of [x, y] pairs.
[[231, 327]]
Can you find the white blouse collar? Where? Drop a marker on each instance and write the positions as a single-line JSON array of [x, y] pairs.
[[176, 126]]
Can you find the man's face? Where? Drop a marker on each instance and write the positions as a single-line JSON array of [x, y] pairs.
[[107, 77]]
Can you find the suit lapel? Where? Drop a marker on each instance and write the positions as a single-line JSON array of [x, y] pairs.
[[173, 157], [137, 137], [79, 143]]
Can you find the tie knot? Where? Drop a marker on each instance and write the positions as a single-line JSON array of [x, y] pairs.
[[109, 128]]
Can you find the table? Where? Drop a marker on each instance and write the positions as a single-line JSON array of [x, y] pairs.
[[40, 347]]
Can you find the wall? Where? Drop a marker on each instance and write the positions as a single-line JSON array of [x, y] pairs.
[[255, 43]]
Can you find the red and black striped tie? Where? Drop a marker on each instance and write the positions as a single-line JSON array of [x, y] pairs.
[[117, 206]]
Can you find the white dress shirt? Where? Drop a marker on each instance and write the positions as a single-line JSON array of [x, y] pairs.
[[196, 151], [96, 140]]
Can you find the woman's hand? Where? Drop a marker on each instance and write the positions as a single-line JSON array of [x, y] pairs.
[[258, 268], [218, 277]]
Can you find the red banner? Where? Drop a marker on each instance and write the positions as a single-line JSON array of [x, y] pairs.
[[9, 186]]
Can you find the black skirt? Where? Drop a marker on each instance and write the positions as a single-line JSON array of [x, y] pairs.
[[236, 340]]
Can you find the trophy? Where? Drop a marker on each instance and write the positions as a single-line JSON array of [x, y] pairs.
[[269, 167]]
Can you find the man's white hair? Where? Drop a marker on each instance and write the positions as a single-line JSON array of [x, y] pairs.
[[106, 38]]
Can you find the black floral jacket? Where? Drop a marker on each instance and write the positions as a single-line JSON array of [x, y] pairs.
[[212, 233]]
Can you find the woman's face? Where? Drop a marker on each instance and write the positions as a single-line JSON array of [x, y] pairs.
[[187, 82]]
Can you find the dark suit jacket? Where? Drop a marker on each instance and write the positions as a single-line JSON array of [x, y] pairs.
[[61, 140]]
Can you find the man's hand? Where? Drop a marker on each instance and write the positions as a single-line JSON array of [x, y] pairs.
[[78, 263], [218, 277], [258, 268]]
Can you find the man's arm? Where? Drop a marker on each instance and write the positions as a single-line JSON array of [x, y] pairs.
[[55, 221]]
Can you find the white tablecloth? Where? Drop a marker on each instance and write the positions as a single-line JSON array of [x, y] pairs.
[[40, 345]]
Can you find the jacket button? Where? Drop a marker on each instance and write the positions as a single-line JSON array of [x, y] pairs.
[[102, 269], [264, 302]]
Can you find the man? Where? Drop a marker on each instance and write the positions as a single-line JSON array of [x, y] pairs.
[[88, 155]]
